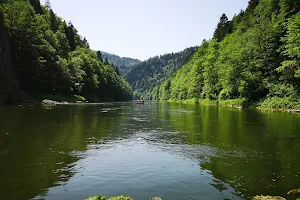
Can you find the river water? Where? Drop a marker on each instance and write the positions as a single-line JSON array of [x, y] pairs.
[[174, 151]]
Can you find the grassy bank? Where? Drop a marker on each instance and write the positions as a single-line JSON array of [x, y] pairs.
[[287, 104], [193, 101], [225, 103], [235, 103]]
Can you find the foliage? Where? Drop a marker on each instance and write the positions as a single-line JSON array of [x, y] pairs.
[[280, 103], [239, 102], [144, 76], [255, 57], [50, 57], [122, 63]]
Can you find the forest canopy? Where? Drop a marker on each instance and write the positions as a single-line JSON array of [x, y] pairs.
[[50, 57], [253, 58]]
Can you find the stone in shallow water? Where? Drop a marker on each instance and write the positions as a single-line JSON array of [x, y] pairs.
[[268, 198], [155, 198]]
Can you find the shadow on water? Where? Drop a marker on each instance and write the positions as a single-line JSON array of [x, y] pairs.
[[257, 150], [176, 151], [36, 145]]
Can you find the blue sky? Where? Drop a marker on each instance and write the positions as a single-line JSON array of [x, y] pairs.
[[145, 28]]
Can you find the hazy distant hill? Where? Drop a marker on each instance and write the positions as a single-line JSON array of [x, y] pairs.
[[123, 63], [146, 75]]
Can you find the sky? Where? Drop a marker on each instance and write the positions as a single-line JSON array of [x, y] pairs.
[[145, 28]]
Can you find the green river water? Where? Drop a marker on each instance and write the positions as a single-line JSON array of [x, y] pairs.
[[174, 151]]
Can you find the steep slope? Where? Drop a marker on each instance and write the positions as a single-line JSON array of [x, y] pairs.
[[144, 76], [9, 87], [123, 63], [254, 58], [49, 57]]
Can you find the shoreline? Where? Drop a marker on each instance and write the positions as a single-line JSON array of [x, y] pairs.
[[233, 103]]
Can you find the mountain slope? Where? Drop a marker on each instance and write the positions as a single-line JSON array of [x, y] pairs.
[[144, 76], [123, 63], [50, 57], [254, 58]]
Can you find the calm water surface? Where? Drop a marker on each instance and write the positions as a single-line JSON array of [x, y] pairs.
[[169, 150]]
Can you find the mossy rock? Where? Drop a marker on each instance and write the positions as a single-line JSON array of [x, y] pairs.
[[97, 198], [297, 191], [100, 197], [268, 198], [120, 198]]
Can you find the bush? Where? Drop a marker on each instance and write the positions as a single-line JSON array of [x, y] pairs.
[[280, 103]]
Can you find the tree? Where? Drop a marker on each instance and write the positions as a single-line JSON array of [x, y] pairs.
[[51, 58], [290, 67], [37, 6], [48, 4], [224, 27], [54, 23], [99, 55], [71, 34]]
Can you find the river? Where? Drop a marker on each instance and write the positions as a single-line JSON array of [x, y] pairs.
[[174, 151]]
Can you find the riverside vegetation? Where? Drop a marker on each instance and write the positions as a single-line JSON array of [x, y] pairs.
[[42, 54], [252, 59]]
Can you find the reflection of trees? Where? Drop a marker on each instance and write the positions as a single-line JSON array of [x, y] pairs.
[[254, 151], [41, 142]]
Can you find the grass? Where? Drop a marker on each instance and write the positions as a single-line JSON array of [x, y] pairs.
[[239, 102], [185, 101], [272, 103], [194, 101], [208, 102]]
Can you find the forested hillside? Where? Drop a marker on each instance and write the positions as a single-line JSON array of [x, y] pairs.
[[123, 63], [254, 58], [144, 76], [48, 56]]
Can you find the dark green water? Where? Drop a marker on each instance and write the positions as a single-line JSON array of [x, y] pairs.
[[158, 149]]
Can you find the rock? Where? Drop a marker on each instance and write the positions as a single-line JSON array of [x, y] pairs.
[[53, 103], [268, 198], [296, 191], [49, 102], [155, 198]]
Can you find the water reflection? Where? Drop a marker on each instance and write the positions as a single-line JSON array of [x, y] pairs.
[[170, 150]]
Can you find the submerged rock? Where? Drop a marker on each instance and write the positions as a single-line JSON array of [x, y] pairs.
[[155, 198], [268, 198], [296, 191], [53, 103]]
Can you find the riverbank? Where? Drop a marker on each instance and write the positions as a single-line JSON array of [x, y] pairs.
[[269, 104], [49, 99]]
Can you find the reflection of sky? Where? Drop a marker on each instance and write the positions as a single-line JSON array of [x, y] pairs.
[[160, 149], [141, 168]]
